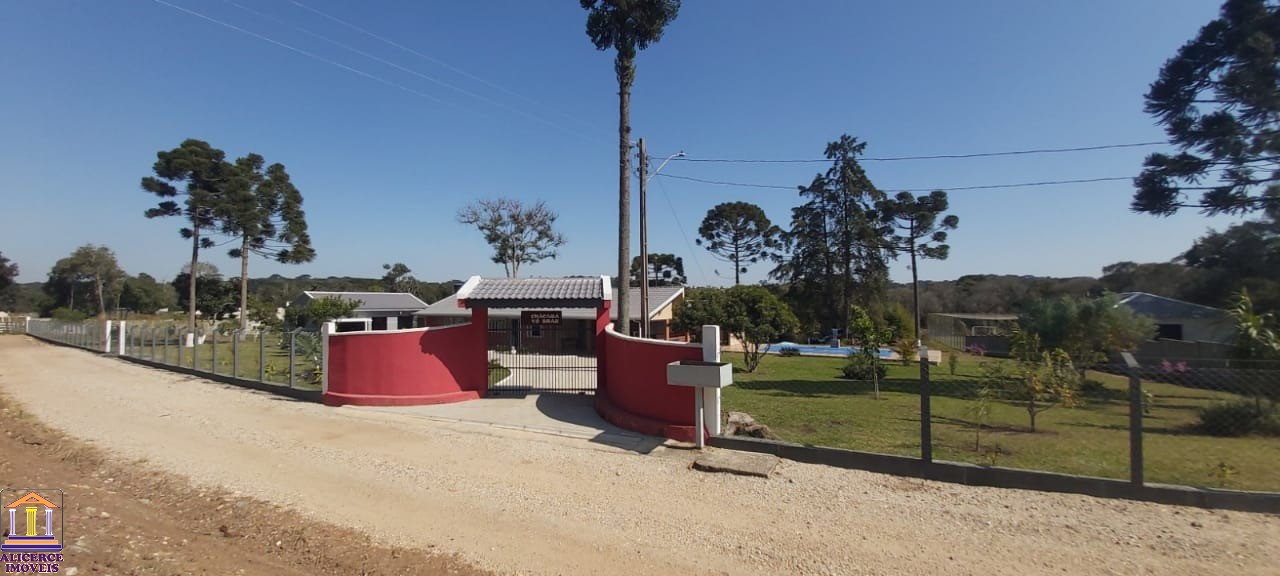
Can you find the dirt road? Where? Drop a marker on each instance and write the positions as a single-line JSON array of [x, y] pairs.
[[528, 503], [123, 518]]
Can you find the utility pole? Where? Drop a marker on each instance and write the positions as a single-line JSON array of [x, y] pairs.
[[644, 244]]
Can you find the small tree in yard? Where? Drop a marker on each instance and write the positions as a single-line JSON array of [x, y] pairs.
[[519, 234], [319, 311], [1256, 339], [1037, 380], [758, 318], [870, 338], [1087, 329], [752, 314], [906, 349], [701, 307]]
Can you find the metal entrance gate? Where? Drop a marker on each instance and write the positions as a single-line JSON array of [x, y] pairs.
[[532, 358]]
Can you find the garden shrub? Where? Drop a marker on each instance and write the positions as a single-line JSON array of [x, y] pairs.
[[789, 351], [1239, 418], [860, 367], [65, 314]]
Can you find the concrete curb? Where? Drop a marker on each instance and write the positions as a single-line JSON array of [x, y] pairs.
[[974, 475]]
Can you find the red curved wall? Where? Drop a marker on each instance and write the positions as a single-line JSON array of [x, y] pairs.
[[406, 368], [635, 394]]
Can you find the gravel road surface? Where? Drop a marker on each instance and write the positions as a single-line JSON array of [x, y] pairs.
[[521, 502]]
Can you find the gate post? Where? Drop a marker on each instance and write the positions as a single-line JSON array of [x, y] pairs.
[[325, 330], [602, 322], [480, 335], [106, 337], [710, 396], [122, 349]]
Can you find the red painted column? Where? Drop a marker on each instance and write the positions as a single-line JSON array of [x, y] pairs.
[[480, 342], [602, 321]]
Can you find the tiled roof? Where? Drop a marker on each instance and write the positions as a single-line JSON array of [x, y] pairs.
[[659, 298], [369, 301], [589, 288], [1156, 306]]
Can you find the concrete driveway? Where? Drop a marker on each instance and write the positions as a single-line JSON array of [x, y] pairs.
[[545, 372]]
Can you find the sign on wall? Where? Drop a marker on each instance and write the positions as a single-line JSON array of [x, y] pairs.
[[540, 317]]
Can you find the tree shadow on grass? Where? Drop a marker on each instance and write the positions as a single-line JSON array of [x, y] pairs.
[[1186, 430], [986, 426]]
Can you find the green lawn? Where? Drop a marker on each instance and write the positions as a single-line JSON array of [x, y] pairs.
[[803, 400], [497, 373], [249, 351]]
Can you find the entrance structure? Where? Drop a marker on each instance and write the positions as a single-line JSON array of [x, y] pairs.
[[540, 351], [452, 363]]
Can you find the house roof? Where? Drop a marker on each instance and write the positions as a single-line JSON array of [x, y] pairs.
[[1156, 306], [977, 316], [374, 301], [524, 289], [660, 297]]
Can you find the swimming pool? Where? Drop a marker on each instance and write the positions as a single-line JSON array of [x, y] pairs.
[[815, 350]]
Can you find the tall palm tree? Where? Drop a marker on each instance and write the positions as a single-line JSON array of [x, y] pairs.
[[626, 26]]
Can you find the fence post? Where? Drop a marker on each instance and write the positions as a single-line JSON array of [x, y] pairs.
[[123, 348], [262, 355], [1135, 420], [926, 409], [194, 337], [292, 336], [325, 330], [213, 358], [710, 396], [235, 354], [181, 347]]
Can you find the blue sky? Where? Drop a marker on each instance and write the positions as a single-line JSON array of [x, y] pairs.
[[524, 106]]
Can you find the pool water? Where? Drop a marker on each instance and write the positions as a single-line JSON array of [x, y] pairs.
[[815, 350]]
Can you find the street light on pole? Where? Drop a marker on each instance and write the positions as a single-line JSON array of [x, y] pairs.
[[644, 234]]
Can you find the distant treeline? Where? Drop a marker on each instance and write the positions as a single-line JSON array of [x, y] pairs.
[[217, 295]]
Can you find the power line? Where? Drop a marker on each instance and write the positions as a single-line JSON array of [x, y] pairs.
[[930, 157], [306, 53], [436, 61], [426, 77], [891, 188], [692, 253]]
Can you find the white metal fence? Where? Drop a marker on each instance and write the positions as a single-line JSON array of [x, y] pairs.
[[294, 359]]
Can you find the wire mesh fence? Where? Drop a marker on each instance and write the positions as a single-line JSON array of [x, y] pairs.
[[89, 334], [288, 358], [1158, 420], [1210, 422]]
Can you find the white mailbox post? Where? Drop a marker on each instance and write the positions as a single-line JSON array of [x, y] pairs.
[[700, 374]]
